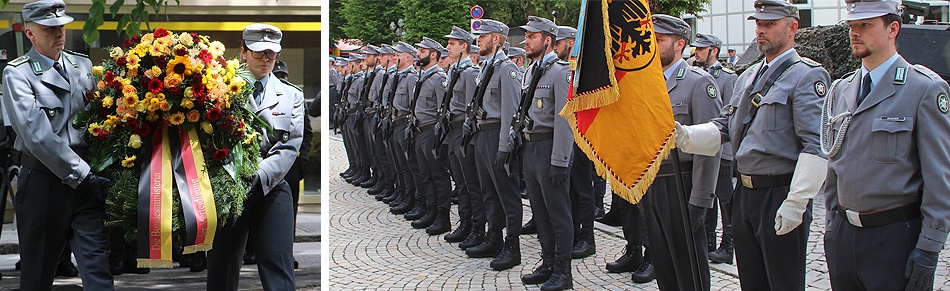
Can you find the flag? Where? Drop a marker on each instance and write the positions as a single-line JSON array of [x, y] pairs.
[[618, 105]]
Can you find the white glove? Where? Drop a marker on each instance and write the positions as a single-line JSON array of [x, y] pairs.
[[806, 182], [701, 139]]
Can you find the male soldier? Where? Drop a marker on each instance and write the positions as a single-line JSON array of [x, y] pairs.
[[547, 150], [777, 155], [500, 100], [61, 199], [516, 55], [357, 69], [267, 218], [379, 153], [367, 95], [707, 52], [445, 60], [886, 189], [428, 94], [349, 75], [383, 149], [335, 79], [471, 208], [406, 164], [473, 54], [280, 70]]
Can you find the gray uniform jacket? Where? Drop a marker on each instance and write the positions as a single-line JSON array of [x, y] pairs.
[[282, 109], [375, 87], [548, 100], [896, 150], [695, 99], [335, 77], [787, 121], [388, 87], [403, 97], [430, 96], [502, 95], [726, 81], [40, 105], [464, 90], [356, 86]]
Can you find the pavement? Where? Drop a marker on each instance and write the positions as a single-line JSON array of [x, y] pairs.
[[371, 248], [307, 246]]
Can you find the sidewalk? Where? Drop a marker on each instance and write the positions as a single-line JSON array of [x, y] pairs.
[[371, 248]]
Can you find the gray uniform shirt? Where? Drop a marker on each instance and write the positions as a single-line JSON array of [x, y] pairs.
[[335, 77], [282, 109], [388, 87], [896, 150], [403, 97], [430, 96], [376, 86], [695, 99], [726, 82], [787, 121], [40, 105], [464, 89], [549, 98], [353, 94], [502, 94]]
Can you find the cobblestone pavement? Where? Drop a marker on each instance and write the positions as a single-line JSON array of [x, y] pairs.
[[371, 248]]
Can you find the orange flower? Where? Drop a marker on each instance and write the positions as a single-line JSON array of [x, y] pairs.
[[193, 115], [187, 103], [172, 80], [101, 85], [129, 90], [164, 106], [177, 118]]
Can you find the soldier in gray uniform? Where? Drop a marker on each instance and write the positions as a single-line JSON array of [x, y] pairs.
[[371, 80], [777, 154], [350, 73], [473, 54], [383, 148], [548, 146], [353, 92], [428, 92], [471, 207], [886, 133], [502, 204], [707, 52], [61, 200], [516, 55], [268, 215], [378, 150], [406, 164]]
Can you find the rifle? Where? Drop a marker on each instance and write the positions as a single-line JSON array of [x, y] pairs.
[[379, 103], [442, 126], [386, 125], [411, 120], [474, 109], [342, 104], [364, 96], [522, 120]]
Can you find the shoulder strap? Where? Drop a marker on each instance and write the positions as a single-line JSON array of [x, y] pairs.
[[756, 98]]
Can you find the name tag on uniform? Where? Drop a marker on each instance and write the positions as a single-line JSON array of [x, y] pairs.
[[543, 87], [896, 119], [279, 113]]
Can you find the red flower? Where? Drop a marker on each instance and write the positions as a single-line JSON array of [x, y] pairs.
[[194, 35], [104, 135], [161, 32], [109, 76], [143, 129], [128, 44], [174, 91], [220, 154], [205, 56], [121, 62], [88, 95], [161, 61], [155, 85], [136, 38], [181, 51], [213, 114]]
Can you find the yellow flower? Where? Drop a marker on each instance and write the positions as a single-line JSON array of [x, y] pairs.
[[125, 82], [135, 141], [193, 115], [156, 71], [156, 50], [94, 129], [116, 53], [187, 103], [132, 61], [206, 126], [177, 118], [141, 107], [190, 93], [152, 117], [108, 124], [96, 96], [181, 66], [160, 96], [186, 39], [107, 102], [217, 48], [129, 162], [98, 70], [236, 86], [147, 39], [160, 42]]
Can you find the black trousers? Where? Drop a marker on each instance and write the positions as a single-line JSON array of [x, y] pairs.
[[634, 227], [267, 220], [869, 258], [435, 176], [582, 190], [550, 205], [381, 154], [370, 154], [501, 195], [358, 142], [767, 261], [669, 248], [50, 214], [471, 204], [397, 148], [724, 191], [350, 143]]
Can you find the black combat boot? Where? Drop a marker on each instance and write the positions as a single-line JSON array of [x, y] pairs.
[[475, 238], [489, 248], [426, 220], [442, 223], [561, 278], [628, 262], [529, 227], [371, 182], [542, 273], [418, 210], [510, 255], [584, 244], [376, 189], [461, 231], [408, 202], [645, 273], [393, 196], [725, 251]]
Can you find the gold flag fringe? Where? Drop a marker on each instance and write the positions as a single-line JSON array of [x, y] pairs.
[[152, 263], [601, 96], [196, 248]]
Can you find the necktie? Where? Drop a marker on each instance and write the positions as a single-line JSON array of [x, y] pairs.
[[59, 69], [759, 74], [865, 88], [258, 89]]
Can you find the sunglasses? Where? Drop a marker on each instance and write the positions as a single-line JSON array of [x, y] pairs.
[[271, 55]]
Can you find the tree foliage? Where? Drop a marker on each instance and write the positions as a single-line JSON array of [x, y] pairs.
[[678, 8], [433, 19]]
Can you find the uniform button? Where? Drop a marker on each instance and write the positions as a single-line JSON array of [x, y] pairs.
[[711, 195]]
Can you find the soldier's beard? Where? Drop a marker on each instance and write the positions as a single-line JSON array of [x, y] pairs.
[[667, 56], [423, 61], [771, 47], [486, 51], [860, 53]]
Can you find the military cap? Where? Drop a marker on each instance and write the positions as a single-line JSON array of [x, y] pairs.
[[371, 50], [386, 49], [706, 40], [461, 34], [443, 52], [539, 24], [405, 48], [474, 50], [773, 10], [355, 57], [280, 66], [489, 26], [46, 12], [666, 24], [864, 9], [341, 62], [515, 51], [260, 37], [566, 32], [428, 43]]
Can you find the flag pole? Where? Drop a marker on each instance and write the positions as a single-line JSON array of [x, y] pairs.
[[687, 224]]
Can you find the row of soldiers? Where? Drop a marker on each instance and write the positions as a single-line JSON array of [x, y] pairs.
[[413, 129]]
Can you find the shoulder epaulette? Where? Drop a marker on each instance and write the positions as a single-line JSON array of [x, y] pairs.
[[848, 76], [563, 63], [549, 64], [19, 61], [810, 62], [290, 84], [75, 53], [727, 70], [927, 72], [697, 70]]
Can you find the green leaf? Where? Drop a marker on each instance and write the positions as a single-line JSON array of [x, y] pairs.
[[89, 31], [188, 126], [133, 28], [102, 158], [116, 6], [123, 22], [96, 10], [79, 120]]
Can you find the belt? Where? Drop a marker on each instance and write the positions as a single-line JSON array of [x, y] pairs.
[[34, 164], [488, 126], [352, 111], [400, 120], [456, 124], [426, 128], [883, 217], [370, 110], [769, 181], [538, 136], [667, 169]]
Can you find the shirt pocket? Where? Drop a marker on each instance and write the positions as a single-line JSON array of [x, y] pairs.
[[49, 104], [681, 113], [773, 113], [887, 133], [543, 105]]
